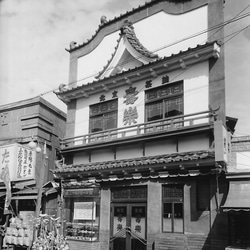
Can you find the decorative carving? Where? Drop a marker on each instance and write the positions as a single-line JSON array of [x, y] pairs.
[[4, 117], [213, 112], [131, 95], [102, 98], [130, 193], [130, 116], [148, 84], [62, 87], [138, 227], [114, 94]]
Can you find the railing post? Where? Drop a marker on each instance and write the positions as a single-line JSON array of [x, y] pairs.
[[138, 129], [172, 124]]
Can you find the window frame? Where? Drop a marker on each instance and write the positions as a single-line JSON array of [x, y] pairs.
[[172, 201], [160, 98], [102, 114]]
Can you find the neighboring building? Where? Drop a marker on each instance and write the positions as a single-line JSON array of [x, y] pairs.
[[147, 139], [237, 204], [29, 171]]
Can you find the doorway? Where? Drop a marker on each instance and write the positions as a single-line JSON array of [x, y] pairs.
[[128, 226]]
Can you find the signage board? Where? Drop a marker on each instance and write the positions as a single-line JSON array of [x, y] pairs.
[[84, 210], [222, 142], [19, 159]]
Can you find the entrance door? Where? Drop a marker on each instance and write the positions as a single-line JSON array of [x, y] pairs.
[[128, 226]]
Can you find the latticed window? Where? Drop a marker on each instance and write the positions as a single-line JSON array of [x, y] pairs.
[[103, 116], [172, 208], [164, 102]]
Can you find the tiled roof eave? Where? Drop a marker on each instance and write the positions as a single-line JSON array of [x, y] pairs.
[[180, 60], [137, 164]]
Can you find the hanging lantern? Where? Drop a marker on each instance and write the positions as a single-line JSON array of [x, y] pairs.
[[32, 144]]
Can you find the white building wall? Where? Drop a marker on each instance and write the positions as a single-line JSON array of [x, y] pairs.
[[243, 161], [195, 97]]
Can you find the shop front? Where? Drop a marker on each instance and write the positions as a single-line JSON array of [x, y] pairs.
[[237, 206], [144, 210], [128, 218]]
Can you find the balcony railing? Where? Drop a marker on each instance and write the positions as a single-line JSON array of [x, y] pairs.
[[142, 129]]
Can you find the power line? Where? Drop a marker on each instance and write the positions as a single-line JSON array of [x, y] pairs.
[[234, 19], [174, 43], [231, 36], [177, 75]]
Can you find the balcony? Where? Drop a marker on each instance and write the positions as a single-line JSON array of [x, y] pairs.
[[174, 126]]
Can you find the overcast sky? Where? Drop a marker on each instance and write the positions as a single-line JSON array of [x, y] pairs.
[[35, 33]]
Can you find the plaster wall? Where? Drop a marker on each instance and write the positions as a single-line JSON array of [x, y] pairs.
[[102, 155], [81, 158], [156, 32], [127, 152], [242, 161], [161, 147], [193, 143]]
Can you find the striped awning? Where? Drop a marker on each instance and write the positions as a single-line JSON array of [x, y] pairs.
[[238, 196]]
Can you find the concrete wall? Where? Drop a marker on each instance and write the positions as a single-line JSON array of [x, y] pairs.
[[38, 118]]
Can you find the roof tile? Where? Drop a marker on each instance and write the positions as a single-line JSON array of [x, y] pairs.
[[168, 158]]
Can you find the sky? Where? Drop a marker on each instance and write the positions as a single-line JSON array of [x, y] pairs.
[[35, 33]]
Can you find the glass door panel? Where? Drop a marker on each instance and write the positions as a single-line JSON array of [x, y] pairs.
[[138, 227], [129, 227]]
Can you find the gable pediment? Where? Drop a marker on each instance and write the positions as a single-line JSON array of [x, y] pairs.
[[129, 53]]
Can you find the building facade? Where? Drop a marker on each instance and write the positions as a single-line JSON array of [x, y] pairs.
[[237, 204], [26, 177], [145, 152]]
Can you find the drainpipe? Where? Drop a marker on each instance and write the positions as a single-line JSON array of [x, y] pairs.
[[217, 189]]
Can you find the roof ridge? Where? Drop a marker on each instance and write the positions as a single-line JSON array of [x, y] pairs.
[[105, 22]]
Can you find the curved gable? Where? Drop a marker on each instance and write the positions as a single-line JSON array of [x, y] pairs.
[[129, 53], [162, 33]]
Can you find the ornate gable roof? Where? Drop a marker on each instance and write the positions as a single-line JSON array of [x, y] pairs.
[[129, 53]]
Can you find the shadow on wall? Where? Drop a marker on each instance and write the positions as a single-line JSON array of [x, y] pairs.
[[211, 223]]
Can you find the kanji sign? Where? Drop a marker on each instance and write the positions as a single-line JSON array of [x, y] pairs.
[[20, 161]]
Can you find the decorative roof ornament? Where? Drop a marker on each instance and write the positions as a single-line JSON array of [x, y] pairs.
[[103, 20], [62, 87], [72, 45]]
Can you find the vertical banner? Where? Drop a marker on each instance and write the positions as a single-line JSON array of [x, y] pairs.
[[5, 176], [25, 163]]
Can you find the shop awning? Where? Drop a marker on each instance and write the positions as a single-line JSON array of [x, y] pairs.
[[238, 196]]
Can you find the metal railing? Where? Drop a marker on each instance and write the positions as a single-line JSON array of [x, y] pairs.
[[163, 125]]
